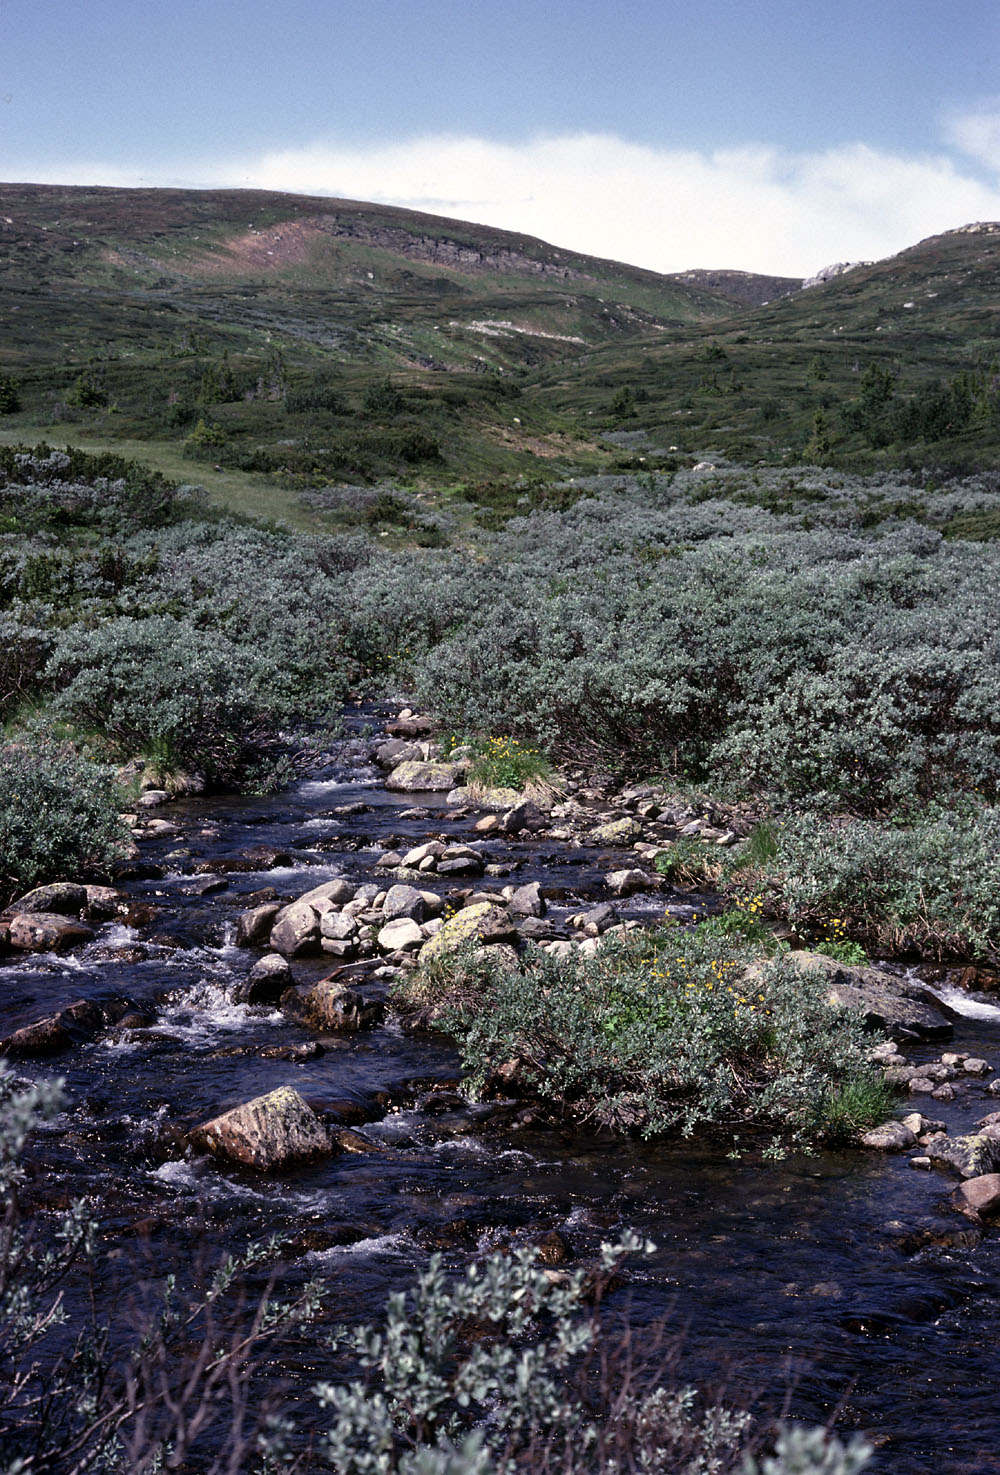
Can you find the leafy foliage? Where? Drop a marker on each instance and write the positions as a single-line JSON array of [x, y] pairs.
[[669, 1032], [59, 813]]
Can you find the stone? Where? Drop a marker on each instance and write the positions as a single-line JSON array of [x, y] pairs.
[[488, 824], [334, 1007], [402, 935], [979, 1196], [267, 980], [403, 901], [901, 1007], [460, 865], [536, 929], [337, 926], [103, 903], [890, 1137], [482, 923], [600, 918], [152, 799], [975, 1067], [625, 883], [394, 751], [994, 1087], [622, 832], [46, 932], [971, 1156], [414, 777], [430, 850], [268, 1132], [337, 892], [295, 930], [64, 898], [528, 901], [496, 800], [253, 927]]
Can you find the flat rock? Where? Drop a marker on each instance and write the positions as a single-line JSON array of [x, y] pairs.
[[64, 898], [415, 777], [901, 1007], [46, 932], [268, 1132]]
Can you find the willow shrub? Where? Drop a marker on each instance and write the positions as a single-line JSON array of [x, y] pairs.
[[59, 814], [158, 686], [932, 886], [663, 1032]]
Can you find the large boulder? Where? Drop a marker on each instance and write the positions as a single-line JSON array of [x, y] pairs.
[[975, 1155], [65, 898], [479, 924], [46, 932], [295, 930], [269, 1132], [415, 777], [903, 1008], [332, 1007]]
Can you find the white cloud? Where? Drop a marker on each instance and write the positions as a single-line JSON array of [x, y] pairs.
[[977, 133], [755, 208]]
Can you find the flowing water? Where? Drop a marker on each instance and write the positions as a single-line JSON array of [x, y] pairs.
[[839, 1282]]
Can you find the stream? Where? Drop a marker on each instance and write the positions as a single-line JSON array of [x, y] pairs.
[[839, 1283]]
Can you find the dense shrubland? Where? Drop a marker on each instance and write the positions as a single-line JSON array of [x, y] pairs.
[[816, 643]]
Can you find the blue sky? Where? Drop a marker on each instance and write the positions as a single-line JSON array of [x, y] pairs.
[[769, 136]]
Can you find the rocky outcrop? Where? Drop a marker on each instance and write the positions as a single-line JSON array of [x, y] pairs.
[[903, 1008]]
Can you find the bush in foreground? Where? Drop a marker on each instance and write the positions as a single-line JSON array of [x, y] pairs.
[[59, 814]]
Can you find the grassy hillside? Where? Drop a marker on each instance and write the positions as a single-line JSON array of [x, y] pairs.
[[291, 342], [891, 362]]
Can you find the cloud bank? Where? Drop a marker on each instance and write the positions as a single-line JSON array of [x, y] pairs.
[[754, 208]]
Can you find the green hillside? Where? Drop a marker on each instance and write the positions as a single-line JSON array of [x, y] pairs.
[[297, 342]]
